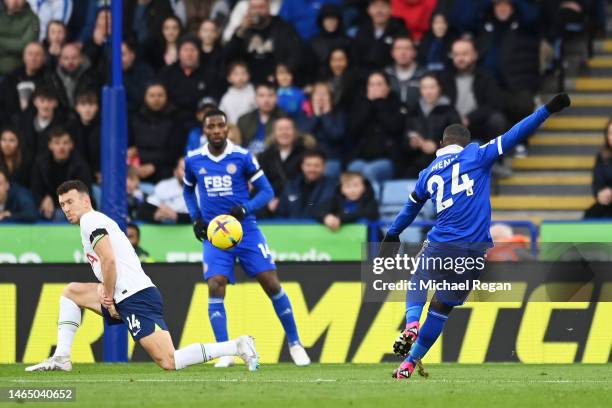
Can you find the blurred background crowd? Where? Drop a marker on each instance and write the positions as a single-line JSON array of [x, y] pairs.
[[334, 97]]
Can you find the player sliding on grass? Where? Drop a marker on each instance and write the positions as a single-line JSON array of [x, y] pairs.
[[222, 172], [125, 294], [457, 182]]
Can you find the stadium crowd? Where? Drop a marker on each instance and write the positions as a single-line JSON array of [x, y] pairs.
[[333, 96]]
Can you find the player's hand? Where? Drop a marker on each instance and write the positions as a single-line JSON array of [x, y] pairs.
[[238, 212], [389, 246], [199, 229], [558, 103]]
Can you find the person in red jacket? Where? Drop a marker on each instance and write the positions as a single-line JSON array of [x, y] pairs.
[[415, 13]]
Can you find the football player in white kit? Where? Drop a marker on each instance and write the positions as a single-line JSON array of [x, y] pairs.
[[125, 294]]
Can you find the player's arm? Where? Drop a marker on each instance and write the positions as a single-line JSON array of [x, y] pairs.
[[405, 217], [101, 244], [264, 192], [191, 201], [523, 129]]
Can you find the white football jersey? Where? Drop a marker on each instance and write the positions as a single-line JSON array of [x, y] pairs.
[[131, 278]]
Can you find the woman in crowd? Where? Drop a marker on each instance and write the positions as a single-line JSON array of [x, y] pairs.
[[12, 158], [602, 179]]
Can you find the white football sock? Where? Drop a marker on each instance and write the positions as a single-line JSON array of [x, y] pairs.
[[200, 353], [69, 322]]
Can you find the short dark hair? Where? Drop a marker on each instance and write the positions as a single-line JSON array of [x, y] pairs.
[[456, 134], [314, 152], [266, 84], [57, 132], [135, 227], [77, 185], [214, 112], [237, 63], [86, 96], [45, 92]]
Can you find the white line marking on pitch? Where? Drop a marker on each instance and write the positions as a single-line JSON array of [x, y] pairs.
[[313, 381]]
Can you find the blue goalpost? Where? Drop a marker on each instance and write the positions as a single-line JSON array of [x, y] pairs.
[[114, 167]]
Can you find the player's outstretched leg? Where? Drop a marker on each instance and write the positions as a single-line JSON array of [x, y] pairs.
[[159, 346], [429, 333], [217, 315], [282, 306], [408, 336], [75, 297]]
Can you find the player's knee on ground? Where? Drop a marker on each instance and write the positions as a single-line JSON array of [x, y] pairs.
[[439, 307], [166, 362]]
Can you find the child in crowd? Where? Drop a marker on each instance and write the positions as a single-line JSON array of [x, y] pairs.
[[354, 200], [290, 97], [135, 197], [240, 97]]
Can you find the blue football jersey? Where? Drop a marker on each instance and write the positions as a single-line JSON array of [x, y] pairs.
[[222, 181], [457, 182]]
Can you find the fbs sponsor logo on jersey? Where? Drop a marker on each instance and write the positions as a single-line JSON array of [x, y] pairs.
[[218, 186]]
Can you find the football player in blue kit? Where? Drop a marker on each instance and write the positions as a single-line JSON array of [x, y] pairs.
[[457, 182], [222, 172]]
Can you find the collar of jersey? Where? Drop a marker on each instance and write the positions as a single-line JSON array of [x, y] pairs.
[[450, 149], [228, 149]]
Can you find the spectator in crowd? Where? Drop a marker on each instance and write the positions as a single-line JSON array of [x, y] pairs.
[[212, 56], [466, 15], [342, 78], [73, 75], [82, 20], [353, 200], [435, 46], [154, 132], [19, 26], [18, 87], [256, 125], [93, 47], [290, 98], [133, 234], [137, 75], [282, 158], [163, 47], [602, 179], [303, 14], [197, 11], [376, 125], [35, 124], [263, 40], [16, 203], [375, 37], [49, 10], [509, 247], [404, 74], [52, 168], [240, 96], [303, 196], [85, 130], [146, 18], [473, 92], [196, 138], [240, 11], [510, 50], [186, 82], [416, 15], [13, 161], [328, 126], [331, 34], [166, 205], [135, 196], [57, 36], [425, 126]]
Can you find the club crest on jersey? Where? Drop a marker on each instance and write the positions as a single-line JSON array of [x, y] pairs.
[[202, 170], [231, 168]]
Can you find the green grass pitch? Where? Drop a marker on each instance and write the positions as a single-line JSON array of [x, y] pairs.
[[336, 385]]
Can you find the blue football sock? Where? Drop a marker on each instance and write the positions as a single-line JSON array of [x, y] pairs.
[[429, 333], [218, 319], [282, 307], [414, 311]]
